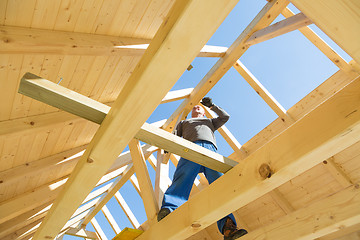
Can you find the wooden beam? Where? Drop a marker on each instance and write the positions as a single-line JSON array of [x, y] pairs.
[[111, 219], [98, 229], [127, 210], [265, 17], [324, 47], [147, 192], [82, 233], [186, 149], [19, 40], [262, 91], [323, 217], [326, 130], [338, 19], [161, 177], [277, 29], [63, 98], [115, 186]]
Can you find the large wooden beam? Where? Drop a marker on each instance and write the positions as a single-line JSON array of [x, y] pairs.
[[288, 25], [321, 218], [326, 130], [19, 40], [177, 38], [147, 192], [340, 20], [265, 17], [65, 99]]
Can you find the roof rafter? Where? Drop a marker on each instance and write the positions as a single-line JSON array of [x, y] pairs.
[[18, 40]]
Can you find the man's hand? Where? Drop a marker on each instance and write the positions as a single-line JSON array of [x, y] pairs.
[[207, 102]]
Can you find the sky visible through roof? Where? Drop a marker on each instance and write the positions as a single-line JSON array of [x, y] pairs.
[[289, 67]]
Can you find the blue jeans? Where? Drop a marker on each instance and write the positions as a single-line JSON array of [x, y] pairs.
[[184, 176]]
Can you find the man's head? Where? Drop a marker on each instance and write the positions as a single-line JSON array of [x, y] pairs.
[[197, 111]]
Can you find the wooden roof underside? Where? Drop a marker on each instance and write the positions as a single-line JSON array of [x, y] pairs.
[[312, 149]]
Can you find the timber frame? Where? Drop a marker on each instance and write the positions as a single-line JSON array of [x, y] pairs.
[[62, 144]]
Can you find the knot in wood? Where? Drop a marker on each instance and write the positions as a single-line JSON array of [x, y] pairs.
[[196, 225], [89, 160], [265, 171]]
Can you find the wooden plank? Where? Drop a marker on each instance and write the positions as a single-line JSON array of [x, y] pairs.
[[147, 192], [262, 91], [83, 233], [171, 41], [92, 110], [337, 211], [324, 47], [111, 219], [127, 210], [235, 51], [20, 40], [277, 29], [285, 160], [338, 19], [98, 229], [161, 178], [184, 148]]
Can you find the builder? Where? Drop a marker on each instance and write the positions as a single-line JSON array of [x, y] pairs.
[[200, 130]]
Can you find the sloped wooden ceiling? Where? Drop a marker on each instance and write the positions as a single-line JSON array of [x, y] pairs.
[[37, 141]]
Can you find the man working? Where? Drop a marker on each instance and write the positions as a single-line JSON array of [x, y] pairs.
[[200, 130]]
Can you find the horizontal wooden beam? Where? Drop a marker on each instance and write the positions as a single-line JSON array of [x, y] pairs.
[[265, 17], [173, 48], [338, 19], [186, 149], [326, 130], [65, 99], [277, 29], [321, 218], [19, 40]]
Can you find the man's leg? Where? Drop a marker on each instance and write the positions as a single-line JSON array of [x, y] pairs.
[[211, 176], [179, 191]]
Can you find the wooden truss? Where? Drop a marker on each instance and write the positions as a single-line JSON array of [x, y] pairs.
[[318, 131]]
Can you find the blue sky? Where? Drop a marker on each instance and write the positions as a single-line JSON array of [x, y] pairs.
[[289, 67]]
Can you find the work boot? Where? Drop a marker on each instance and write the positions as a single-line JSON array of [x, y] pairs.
[[163, 213], [230, 230]]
